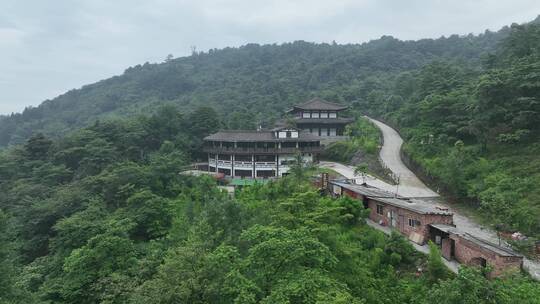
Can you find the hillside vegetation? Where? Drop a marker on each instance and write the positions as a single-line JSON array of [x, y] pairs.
[[476, 133], [102, 216], [249, 85], [93, 208]]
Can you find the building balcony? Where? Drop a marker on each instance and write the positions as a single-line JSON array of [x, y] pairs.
[[265, 164], [243, 164], [231, 150]]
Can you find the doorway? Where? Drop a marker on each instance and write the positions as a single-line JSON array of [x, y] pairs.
[[478, 261], [393, 218]]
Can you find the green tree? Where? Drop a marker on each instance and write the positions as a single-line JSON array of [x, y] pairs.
[[436, 270], [103, 256], [37, 146]]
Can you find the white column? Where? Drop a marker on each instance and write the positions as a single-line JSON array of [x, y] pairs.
[[232, 165], [253, 161]]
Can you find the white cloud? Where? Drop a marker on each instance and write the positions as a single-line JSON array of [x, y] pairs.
[[48, 47], [11, 38]]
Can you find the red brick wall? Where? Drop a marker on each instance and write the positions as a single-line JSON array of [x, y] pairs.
[[373, 212], [349, 193], [466, 252], [403, 216], [446, 249]]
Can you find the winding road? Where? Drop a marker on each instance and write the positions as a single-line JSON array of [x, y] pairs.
[[411, 186]]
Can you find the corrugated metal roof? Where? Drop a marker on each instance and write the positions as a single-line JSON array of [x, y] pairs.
[[415, 205], [361, 189], [445, 228], [500, 250], [490, 246]]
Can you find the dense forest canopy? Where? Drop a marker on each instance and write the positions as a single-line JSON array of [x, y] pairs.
[[476, 132], [93, 210], [102, 216]]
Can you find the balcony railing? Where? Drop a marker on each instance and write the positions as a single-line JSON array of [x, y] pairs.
[[262, 150], [243, 164]]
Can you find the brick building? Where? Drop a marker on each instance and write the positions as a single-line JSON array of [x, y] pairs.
[[411, 217], [469, 250], [420, 221]]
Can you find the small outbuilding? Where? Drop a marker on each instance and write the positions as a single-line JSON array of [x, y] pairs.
[[411, 217], [473, 251], [422, 221]]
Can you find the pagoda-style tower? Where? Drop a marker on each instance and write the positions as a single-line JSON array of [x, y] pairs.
[[320, 117]]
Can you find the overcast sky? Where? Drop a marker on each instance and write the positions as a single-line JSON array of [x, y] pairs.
[[49, 47]]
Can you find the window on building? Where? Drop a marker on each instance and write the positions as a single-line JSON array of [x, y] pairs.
[[414, 223], [288, 144], [289, 134], [265, 158], [315, 115], [306, 115], [324, 114], [332, 115], [332, 131], [242, 157], [380, 209]]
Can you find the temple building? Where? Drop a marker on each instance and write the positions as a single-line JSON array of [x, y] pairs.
[[261, 153], [320, 117]]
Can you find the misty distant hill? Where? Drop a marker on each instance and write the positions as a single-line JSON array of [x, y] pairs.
[[257, 80]]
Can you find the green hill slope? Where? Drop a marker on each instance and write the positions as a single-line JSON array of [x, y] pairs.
[[475, 133], [467, 106], [253, 81]]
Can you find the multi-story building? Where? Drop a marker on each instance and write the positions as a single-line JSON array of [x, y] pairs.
[[262, 153], [320, 117]]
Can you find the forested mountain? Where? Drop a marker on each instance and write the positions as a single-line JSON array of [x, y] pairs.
[[462, 102], [102, 216], [248, 85], [475, 132], [99, 214]]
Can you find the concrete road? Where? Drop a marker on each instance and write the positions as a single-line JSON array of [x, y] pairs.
[[411, 186], [348, 172]]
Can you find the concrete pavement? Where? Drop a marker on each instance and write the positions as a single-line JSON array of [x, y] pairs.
[[390, 156], [411, 186]]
